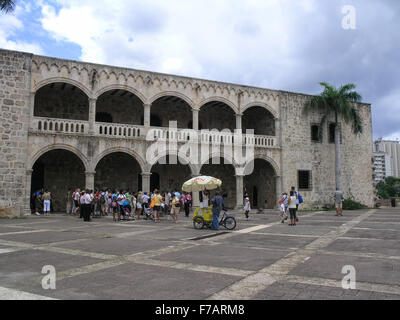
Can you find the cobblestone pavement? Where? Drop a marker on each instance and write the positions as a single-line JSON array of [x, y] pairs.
[[261, 260]]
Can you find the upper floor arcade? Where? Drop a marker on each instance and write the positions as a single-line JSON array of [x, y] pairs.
[[79, 98]]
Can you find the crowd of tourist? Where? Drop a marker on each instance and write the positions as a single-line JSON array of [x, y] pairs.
[[126, 205]]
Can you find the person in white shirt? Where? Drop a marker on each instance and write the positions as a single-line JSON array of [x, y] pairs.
[[292, 208]]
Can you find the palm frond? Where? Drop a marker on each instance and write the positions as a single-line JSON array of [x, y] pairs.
[[7, 5], [357, 121]]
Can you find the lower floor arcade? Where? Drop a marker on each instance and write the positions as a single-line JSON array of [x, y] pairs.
[[60, 170]]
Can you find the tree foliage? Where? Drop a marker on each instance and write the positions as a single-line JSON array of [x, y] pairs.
[[337, 102], [389, 188], [7, 5]]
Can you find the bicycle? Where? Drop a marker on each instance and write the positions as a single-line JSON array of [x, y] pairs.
[[227, 221]]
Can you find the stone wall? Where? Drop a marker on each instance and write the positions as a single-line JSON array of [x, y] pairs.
[[300, 153], [14, 118]]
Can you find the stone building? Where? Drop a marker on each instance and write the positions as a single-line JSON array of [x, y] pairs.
[[67, 124]]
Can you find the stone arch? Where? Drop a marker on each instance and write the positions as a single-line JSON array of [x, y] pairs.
[[132, 90], [268, 159], [130, 152], [193, 168], [219, 99], [218, 155], [261, 104], [174, 94], [260, 182], [77, 84], [66, 147]]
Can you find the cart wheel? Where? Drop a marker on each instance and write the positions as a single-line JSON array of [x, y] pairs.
[[198, 223], [230, 223]]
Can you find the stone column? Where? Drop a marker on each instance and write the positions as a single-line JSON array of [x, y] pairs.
[[89, 182], [31, 108], [239, 122], [28, 191], [239, 191], [278, 131], [92, 115], [146, 181], [146, 122], [278, 190], [195, 113]]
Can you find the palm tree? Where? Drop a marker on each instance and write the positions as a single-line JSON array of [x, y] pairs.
[[337, 102], [7, 5]]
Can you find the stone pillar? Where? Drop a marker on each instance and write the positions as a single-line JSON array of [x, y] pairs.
[[239, 191], [278, 130], [28, 191], [146, 181], [239, 122], [89, 182], [278, 187], [92, 115], [195, 113], [146, 122], [31, 108]]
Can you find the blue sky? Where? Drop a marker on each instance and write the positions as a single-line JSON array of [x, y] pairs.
[[285, 45]]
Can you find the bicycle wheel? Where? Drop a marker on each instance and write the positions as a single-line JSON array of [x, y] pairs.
[[229, 223], [198, 223]]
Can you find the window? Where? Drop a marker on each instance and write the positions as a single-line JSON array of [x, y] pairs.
[[305, 180], [332, 127], [315, 133]]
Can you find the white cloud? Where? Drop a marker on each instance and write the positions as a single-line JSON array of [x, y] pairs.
[[277, 44], [9, 24]]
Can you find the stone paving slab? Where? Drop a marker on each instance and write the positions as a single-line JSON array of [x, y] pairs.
[[377, 234], [268, 241], [26, 265], [45, 237], [383, 271], [295, 291], [298, 230], [225, 256], [136, 281], [379, 225], [4, 229], [388, 247], [116, 246]]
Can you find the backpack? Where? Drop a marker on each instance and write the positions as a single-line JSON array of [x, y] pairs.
[[102, 199], [300, 198]]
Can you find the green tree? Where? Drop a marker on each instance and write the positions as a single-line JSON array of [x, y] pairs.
[[337, 102], [7, 5], [389, 188]]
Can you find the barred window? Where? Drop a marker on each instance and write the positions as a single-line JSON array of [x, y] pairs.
[[305, 180]]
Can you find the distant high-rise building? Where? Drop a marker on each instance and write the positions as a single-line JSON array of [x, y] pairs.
[[391, 148]]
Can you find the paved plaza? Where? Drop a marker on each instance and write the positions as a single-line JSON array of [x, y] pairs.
[[261, 260]]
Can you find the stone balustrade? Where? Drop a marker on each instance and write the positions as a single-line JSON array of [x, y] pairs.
[[48, 125], [118, 130], [127, 131]]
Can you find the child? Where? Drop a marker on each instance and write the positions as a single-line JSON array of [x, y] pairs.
[[283, 211], [247, 207]]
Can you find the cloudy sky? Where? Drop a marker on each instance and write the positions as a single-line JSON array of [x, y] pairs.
[[277, 44]]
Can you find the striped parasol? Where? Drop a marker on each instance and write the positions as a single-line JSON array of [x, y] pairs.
[[201, 183]]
